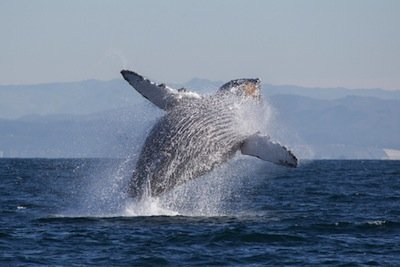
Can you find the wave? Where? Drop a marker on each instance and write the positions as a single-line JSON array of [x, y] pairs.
[[351, 227]]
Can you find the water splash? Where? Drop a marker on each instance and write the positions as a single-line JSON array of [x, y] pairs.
[[102, 191], [147, 207], [217, 193]]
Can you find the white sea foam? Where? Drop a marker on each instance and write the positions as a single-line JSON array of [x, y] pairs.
[[147, 207], [377, 222]]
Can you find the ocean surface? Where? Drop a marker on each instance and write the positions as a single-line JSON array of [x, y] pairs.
[[75, 212]]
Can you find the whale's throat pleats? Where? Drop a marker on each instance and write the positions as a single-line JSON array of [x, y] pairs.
[[190, 140]]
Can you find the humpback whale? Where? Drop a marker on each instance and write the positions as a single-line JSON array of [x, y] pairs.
[[197, 134]]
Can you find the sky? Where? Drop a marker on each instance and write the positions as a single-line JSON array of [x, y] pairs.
[[341, 43]]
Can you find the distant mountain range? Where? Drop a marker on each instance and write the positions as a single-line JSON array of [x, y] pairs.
[[349, 127], [109, 119]]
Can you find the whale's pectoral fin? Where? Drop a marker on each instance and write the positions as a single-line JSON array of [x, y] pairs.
[[160, 95], [262, 147]]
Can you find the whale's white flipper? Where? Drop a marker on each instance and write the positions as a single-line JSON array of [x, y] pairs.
[[160, 95], [262, 147]]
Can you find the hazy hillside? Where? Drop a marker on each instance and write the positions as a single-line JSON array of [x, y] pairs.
[[349, 127], [92, 96], [329, 93], [98, 119], [116, 133], [64, 98]]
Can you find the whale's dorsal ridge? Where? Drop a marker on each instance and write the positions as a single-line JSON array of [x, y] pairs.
[[160, 95]]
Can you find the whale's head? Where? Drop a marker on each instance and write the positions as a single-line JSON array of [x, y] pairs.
[[243, 87]]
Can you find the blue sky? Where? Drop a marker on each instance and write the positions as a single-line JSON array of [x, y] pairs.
[[350, 43]]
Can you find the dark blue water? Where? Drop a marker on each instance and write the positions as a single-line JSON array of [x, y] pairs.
[[75, 213]]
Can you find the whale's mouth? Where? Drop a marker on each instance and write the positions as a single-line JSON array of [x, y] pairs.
[[252, 90], [243, 87], [248, 88]]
